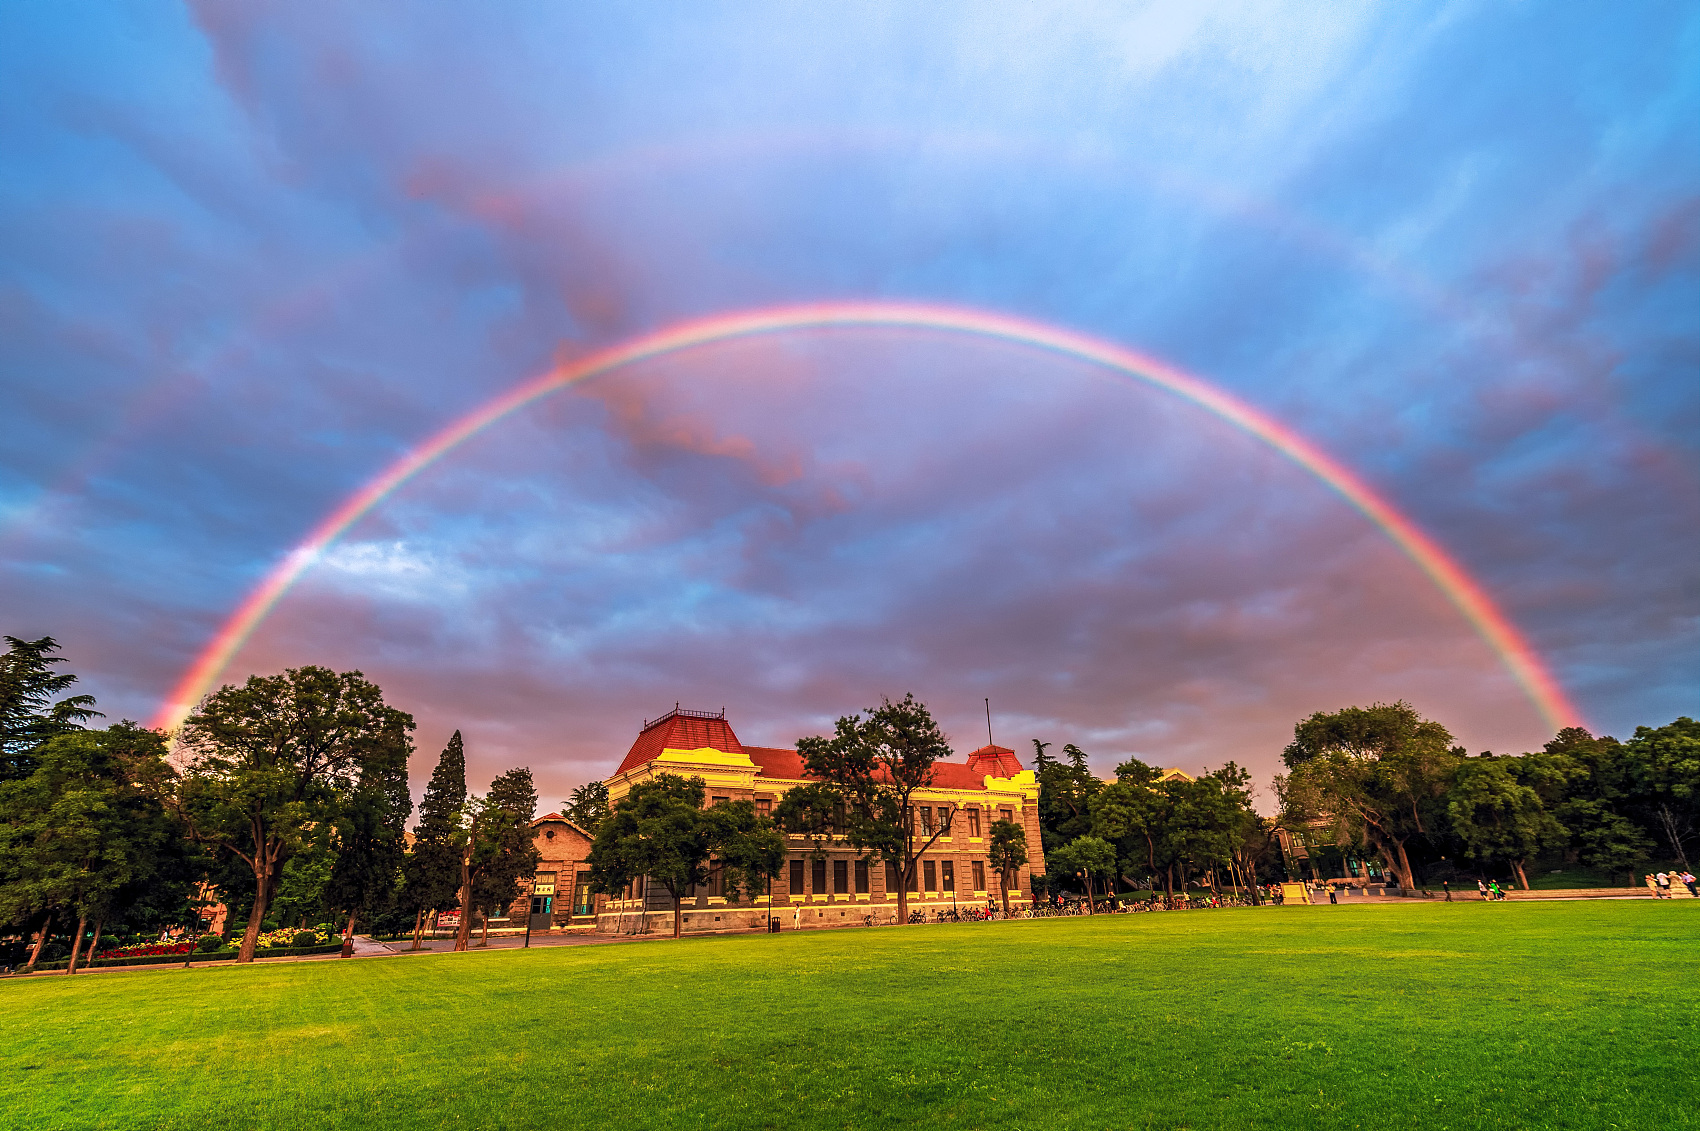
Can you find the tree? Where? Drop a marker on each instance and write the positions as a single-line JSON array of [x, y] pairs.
[[370, 842], [1086, 856], [1375, 772], [85, 833], [588, 806], [1006, 852], [28, 714], [431, 872], [659, 830], [1066, 790], [867, 775], [496, 849], [1497, 817], [1587, 785], [1664, 772], [270, 760], [1135, 813], [750, 850]]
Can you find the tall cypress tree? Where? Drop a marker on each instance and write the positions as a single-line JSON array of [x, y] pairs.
[[432, 871], [371, 846]]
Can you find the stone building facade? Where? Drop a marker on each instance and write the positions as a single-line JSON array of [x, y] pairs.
[[835, 888]]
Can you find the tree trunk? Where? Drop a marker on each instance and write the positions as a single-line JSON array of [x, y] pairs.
[[41, 940], [1087, 877], [418, 927], [678, 912], [262, 893], [903, 893], [348, 936], [94, 946], [483, 927], [1169, 885], [1003, 891], [463, 933], [77, 944], [1407, 878], [1522, 879]]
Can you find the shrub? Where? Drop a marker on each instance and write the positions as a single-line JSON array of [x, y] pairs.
[[305, 938], [209, 943], [268, 925]]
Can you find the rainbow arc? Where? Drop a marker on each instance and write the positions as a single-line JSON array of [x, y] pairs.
[[1478, 608]]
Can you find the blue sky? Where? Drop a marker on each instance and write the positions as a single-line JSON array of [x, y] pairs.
[[250, 253]]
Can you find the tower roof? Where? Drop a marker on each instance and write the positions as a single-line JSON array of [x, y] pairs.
[[682, 730], [998, 761]]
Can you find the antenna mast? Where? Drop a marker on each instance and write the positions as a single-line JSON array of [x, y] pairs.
[[989, 741]]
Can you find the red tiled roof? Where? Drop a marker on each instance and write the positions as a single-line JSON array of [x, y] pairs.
[[679, 731], [999, 761], [775, 762]]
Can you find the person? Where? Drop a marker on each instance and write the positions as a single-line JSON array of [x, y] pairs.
[[1333, 894], [1446, 886], [1663, 880], [796, 918], [1481, 886], [1493, 888], [1688, 882]]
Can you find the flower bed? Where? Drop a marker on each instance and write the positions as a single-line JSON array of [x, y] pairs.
[[147, 950]]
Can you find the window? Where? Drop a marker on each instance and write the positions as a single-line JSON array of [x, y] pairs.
[[979, 875], [926, 820], [719, 801], [891, 879], [914, 875], [764, 806], [543, 884], [584, 900], [1006, 814], [796, 877], [840, 818], [820, 876], [861, 877], [841, 877], [931, 871], [973, 822], [948, 867]]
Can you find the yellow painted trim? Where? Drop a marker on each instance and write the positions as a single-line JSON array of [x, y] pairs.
[[707, 756]]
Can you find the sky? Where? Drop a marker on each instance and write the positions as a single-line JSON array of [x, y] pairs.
[[252, 253]]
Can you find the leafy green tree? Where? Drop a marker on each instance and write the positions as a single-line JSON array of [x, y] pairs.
[[1066, 790], [866, 777], [587, 806], [659, 830], [496, 849], [29, 715], [305, 880], [1664, 773], [1588, 787], [270, 761], [85, 835], [1006, 851], [1497, 817], [1375, 772], [750, 850], [1132, 813], [371, 842], [431, 872], [1086, 856]]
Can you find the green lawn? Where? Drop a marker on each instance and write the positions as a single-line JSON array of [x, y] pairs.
[[1414, 1017]]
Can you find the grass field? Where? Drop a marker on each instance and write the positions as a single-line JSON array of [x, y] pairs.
[[1406, 1016]]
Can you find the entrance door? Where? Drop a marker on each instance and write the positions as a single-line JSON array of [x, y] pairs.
[[542, 908]]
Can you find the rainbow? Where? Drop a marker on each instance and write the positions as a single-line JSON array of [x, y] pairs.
[[1479, 609]]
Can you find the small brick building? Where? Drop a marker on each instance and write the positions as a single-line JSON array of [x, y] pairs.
[[558, 897]]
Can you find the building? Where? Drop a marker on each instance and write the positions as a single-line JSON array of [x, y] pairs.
[[558, 897], [837, 889]]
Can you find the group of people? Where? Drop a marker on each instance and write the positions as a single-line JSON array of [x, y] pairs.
[[1660, 882]]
